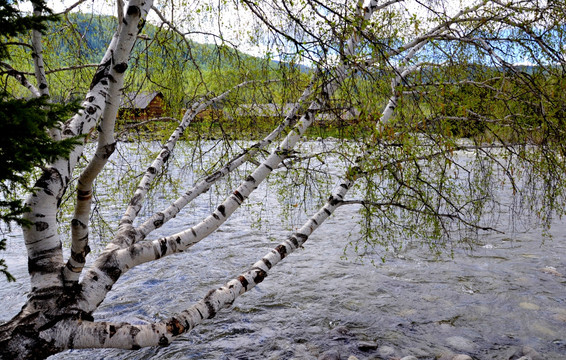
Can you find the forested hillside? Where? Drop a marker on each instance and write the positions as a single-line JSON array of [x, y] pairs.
[[179, 68]]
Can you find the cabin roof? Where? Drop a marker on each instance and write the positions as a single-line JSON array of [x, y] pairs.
[[139, 100]]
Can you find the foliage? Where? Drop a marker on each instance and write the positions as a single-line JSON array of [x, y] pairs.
[[25, 143]]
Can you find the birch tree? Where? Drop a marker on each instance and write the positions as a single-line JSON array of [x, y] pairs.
[[414, 79]]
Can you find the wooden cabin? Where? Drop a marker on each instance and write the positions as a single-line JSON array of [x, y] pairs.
[[140, 106]]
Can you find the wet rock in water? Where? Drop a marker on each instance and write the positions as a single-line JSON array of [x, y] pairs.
[[461, 344], [529, 306], [526, 353], [551, 270], [386, 352], [330, 355], [340, 333], [367, 345], [410, 357], [462, 357], [446, 356]]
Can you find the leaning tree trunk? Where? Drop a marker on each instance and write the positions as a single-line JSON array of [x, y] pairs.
[[49, 301]]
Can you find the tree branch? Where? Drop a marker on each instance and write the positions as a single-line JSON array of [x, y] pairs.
[[160, 218], [113, 76], [86, 334], [20, 77]]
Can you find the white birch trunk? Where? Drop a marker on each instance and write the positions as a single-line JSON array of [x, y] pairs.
[[117, 65]]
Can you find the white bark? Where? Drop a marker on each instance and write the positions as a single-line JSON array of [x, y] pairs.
[[87, 334], [37, 56], [117, 65]]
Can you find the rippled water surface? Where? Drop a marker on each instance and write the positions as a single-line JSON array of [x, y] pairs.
[[506, 293]]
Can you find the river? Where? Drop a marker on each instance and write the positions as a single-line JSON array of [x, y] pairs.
[[504, 296]]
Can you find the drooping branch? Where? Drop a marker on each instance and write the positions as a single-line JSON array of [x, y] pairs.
[[162, 217], [124, 236], [65, 68], [114, 262], [70, 8]]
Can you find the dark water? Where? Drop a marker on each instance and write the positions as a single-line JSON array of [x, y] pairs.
[[506, 293]]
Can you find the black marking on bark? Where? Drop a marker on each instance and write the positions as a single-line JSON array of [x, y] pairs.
[[157, 223], [120, 68], [333, 201], [111, 331], [42, 86], [294, 241], [108, 150], [79, 257], [259, 276], [208, 303], [126, 221], [238, 195], [95, 277], [151, 170], [163, 245], [72, 268], [200, 314], [91, 110], [215, 216], [175, 327], [302, 237], [165, 154], [135, 347], [213, 177], [267, 263], [111, 268], [133, 11], [48, 176], [268, 167], [327, 212], [101, 73], [104, 82], [134, 331], [243, 281], [77, 223], [344, 186], [250, 179], [314, 221], [282, 250], [44, 262], [163, 341], [135, 200], [222, 210], [194, 232], [41, 226]]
